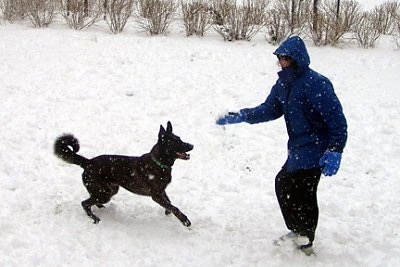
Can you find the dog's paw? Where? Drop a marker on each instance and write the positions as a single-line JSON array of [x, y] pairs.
[[186, 223], [96, 219]]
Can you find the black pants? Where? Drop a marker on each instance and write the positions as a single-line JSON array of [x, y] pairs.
[[297, 197]]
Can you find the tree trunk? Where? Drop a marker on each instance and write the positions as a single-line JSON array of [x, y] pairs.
[[337, 10], [315, 16], [293, 12]]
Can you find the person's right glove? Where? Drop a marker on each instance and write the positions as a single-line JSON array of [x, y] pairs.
[[331, 162], [230, 118]]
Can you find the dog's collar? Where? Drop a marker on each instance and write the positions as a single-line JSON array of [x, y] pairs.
[[159, 164]]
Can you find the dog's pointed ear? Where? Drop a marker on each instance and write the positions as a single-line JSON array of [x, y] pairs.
[[169, 127], [161, 133]]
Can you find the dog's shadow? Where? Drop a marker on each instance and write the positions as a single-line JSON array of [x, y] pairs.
[[138, 216]]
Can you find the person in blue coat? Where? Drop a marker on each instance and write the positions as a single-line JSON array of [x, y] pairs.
[[317, 132]]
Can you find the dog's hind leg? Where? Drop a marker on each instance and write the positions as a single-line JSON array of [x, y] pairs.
[[100, 193], [87, 207]]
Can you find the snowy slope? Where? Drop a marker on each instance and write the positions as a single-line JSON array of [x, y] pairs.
[[113, 92]]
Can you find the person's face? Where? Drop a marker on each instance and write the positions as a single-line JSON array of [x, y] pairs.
[[285, 61]]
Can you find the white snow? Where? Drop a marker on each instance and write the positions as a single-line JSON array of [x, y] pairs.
[[113, 92]]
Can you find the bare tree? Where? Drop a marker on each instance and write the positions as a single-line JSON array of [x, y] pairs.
[[220, 10], [385, 15], [330, 28], [118, 13], [12, 10], [155, 16], [81, 14], [396, 33], [365, 30], [72, 5], [196, 16], [278, 26], [40, 12], [240, 22], [287, 17]]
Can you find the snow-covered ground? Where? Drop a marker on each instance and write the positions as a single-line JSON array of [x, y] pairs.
[[113, 92]]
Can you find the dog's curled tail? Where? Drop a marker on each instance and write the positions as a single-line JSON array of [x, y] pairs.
[[66, 147]]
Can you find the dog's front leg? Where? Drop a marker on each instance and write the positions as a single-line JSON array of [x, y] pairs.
[[164, 202], [166, 198]]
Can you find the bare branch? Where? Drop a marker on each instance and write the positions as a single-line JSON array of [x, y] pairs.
[[118, 13], [81, 14], [155, 16], [196, 16]]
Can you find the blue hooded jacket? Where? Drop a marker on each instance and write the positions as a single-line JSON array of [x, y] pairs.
[[313, 114]]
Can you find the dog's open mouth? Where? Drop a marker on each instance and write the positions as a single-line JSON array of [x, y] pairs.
[[183, 155]]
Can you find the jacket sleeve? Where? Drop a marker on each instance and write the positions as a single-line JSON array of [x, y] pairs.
[[269, 110], [324, 100]]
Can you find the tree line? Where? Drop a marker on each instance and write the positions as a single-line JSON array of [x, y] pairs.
[[326, 22]]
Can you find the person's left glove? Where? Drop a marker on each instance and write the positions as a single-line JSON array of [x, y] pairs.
[[331, 162], [230, 118]]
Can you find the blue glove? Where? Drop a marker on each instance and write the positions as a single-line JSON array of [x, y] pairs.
[[230, 118], [331, 162]]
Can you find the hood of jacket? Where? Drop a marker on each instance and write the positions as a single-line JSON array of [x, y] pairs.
[[295, 48]]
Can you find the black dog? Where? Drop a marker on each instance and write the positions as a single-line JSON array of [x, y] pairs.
[[148, 175]]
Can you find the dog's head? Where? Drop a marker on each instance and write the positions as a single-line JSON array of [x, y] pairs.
[[171, 145]]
